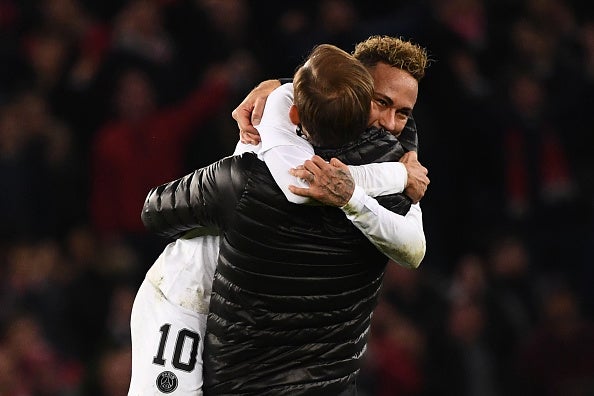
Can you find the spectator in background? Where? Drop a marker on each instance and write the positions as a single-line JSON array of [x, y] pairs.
[[139, 30], [17, 166], [88, 282], [34, 357], [55, 145], [472, 363], [463, 359], [86, 42], [540, 188], [395, 355], [238, 29], [11, 381], [143, 145], [513, 288], [113, 372], [144, 142], [35, 145], [557, 359], [537, 168], [407, 327], [140, 38]]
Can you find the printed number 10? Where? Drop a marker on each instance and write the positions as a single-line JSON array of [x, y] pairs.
[[179, 344]]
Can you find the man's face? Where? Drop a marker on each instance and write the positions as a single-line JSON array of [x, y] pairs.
[[394, 98]]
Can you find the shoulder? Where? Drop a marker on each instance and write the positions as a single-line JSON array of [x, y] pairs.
[[374, 145], [235, 165], [233, 171]]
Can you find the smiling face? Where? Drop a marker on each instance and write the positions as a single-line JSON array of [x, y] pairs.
[[395, 96]]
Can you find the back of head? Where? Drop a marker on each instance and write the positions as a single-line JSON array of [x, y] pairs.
[[395, 52], [332, 93]]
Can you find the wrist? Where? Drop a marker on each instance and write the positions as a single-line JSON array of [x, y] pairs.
[[356, 201]]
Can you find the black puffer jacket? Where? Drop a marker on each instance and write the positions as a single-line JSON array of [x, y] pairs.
[[295, 285]]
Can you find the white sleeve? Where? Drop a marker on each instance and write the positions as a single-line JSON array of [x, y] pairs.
[[401, 238], [281, 148], [241, 148], [275, 128], [380, 178]]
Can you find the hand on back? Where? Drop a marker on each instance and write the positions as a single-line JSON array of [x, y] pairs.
[[329, 183]]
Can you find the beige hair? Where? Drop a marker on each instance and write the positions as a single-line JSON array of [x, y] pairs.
[[395, 52], [332, 93]]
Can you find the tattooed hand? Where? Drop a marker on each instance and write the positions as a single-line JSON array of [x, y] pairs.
[[329, 183]]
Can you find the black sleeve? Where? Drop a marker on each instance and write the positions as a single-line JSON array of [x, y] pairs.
[[203, 198], [409, 137]]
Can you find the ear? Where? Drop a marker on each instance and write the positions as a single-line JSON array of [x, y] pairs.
[[294, 115]]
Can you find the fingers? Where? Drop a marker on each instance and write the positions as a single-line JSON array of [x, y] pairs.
[[338, 163], [319, 161], [322, 163], [250, 110], [258, 111], [249, 136], [242, 114], [328, 183], [304, 192], [302, 174], [237, 111], [311, 166], [316, 165], [247, 133]]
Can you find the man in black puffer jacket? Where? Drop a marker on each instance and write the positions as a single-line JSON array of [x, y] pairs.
[[295, 284]]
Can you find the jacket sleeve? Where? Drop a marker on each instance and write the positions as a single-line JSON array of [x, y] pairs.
[[409, 137], [204, 198], [395, 227]]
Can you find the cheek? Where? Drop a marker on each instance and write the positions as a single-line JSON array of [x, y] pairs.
[[374, 114], [399, 126], [385, 115]]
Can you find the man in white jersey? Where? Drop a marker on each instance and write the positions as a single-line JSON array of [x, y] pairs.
[[169, 316]]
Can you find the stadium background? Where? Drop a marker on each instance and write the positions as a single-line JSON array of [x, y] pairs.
[[503, 302]]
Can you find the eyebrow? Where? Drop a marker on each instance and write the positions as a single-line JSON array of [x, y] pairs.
[[379, 95]]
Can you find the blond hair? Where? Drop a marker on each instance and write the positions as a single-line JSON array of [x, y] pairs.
[[395, 52]]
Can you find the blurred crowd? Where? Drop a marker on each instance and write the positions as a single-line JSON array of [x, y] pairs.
[[102, 100]]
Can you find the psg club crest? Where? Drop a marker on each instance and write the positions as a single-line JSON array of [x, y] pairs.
[[166, 382]]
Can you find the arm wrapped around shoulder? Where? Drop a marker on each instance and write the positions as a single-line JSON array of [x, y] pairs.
[[395, 226]]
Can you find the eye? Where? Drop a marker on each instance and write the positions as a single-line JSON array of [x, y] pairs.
[[403, 114], [381, 102]]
